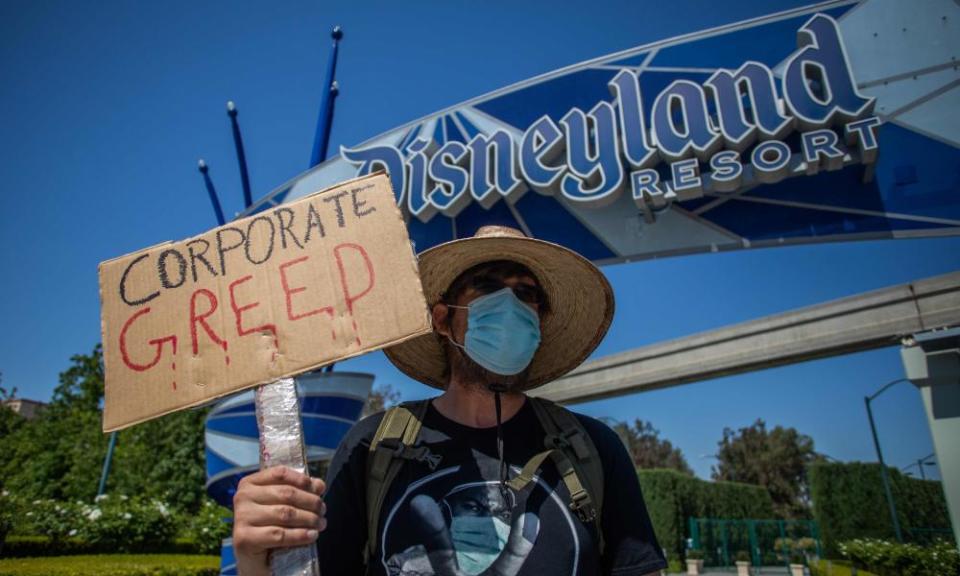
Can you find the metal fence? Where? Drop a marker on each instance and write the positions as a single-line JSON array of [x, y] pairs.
[[768, 542]]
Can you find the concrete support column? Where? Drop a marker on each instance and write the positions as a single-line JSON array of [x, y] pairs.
[[932, 363]]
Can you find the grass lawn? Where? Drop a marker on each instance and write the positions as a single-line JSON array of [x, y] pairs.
[[113, 565], [835, 568]]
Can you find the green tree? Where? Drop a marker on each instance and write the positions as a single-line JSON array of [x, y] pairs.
[[60, 453], [775, 459], [162, 458], [647, 449], [6, 394], [55, 454], [81, 385], [9, 420], [381, 397]]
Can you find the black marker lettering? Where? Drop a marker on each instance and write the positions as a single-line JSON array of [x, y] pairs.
[[336, 199], [285, 226], [123, 285], [194, 256], [358, 204], [313, 219], [222, 250], [162, 268], [249, 241]]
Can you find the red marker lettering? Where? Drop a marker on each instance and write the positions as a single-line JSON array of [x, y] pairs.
[[371, 278], [157, 342], [289, 292], [201, 319], [239, 310]]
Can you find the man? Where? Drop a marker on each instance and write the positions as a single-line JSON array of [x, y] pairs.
[[477, 493]]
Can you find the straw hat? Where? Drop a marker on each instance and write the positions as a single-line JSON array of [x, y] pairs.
[[581, 302]]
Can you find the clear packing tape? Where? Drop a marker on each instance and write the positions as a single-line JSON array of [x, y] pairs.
[[282, 444]]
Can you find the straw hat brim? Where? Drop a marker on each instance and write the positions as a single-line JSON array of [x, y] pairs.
[[581, 304]]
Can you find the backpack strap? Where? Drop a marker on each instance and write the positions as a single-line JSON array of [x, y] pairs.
[[576, 458], [393, 443]]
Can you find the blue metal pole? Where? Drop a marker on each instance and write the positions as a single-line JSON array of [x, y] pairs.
[[241, 156], [883, 466], [106, 464], [883, 472], [328, 96], [214, 199]]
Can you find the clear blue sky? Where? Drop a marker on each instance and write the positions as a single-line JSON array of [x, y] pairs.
[[105, 108]]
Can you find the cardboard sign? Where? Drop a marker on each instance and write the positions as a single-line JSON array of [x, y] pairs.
[[272, 295]]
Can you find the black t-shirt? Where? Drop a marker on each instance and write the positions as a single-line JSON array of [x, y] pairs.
[[454, 520]]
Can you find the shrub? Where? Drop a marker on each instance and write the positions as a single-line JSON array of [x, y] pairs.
[[207, 528], [796, 550], [114, 523], [893, 559], [672, 498], [127, 524], [18, 546], [50, 518], [849, 502], [6, 517], [113, 565]]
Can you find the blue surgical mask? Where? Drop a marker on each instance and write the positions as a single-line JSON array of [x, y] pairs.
[[478, 540], [503, 333]]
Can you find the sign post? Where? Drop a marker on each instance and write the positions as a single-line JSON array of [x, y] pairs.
[[282, 444]]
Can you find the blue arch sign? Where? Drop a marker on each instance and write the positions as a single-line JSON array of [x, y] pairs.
[[824, 123]]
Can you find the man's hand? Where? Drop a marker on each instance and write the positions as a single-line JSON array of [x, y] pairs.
[[275, 508], [437, 541]]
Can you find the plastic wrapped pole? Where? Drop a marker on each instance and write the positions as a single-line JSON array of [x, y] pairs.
[[282, 444]]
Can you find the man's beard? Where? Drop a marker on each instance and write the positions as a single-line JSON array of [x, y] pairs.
[[473, 375]]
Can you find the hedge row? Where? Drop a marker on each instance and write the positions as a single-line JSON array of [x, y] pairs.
[[111, 524], [16, 546], [113, 565], [673, 497], [849, 502]]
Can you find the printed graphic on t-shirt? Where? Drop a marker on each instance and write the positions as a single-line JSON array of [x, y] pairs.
[[460, 521]]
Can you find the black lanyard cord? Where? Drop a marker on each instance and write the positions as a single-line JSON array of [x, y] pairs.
[[504, 490]]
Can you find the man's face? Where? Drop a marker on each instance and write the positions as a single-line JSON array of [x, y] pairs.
[[479, 501], [452, 322]]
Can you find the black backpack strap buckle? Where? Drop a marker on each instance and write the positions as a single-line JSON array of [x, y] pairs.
[[567, 440], [417, 453], [581, 504]]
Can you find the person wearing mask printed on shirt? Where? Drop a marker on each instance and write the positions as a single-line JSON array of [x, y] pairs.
[[489, 480]]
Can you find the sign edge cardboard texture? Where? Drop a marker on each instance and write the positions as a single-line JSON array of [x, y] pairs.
[[424, 329], [117, 421]]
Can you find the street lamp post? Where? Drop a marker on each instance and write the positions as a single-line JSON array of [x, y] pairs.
[[920, 463], [923, 462], [883, 467]]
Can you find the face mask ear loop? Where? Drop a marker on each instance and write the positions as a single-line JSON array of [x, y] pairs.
[[450, 326]]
